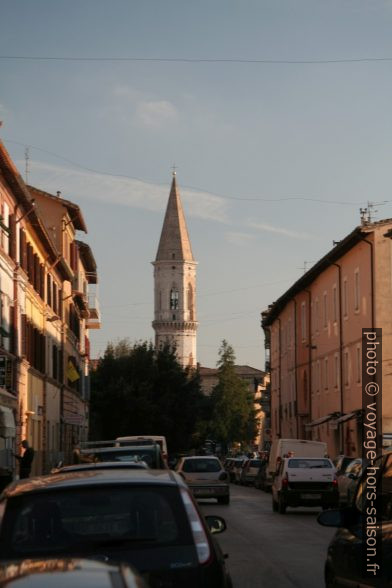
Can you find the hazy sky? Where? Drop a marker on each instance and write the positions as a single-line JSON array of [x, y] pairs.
[[274, 157]]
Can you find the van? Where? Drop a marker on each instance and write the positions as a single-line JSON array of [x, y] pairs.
[[297, 447], [144, 440]]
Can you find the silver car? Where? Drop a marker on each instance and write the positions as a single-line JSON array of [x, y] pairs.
[[206, 477]]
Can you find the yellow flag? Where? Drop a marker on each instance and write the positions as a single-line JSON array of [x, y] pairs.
[[72, 373]]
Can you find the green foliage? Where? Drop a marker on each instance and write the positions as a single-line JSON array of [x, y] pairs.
[[137, 390], [233, 411]]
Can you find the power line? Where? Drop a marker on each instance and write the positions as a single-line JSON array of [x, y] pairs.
[[197, 189], [199, 60]]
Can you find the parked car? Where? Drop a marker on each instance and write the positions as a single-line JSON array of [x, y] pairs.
[[304, 481], [348, 481], [205, 476], [281, 448], [347, 561], [145, 518], [249, 472], [145, 440], [341, 462], [65, 572], [261, 476], [150, 454]]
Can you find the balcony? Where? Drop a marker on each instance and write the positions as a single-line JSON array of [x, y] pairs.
[[94, 316]]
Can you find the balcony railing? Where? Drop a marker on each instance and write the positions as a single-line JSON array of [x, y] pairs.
[[94, 318]]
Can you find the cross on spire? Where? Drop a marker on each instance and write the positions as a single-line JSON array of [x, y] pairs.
[[174, 169]]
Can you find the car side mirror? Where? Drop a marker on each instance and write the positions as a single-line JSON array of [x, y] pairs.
[[216, 524], [342, 517]]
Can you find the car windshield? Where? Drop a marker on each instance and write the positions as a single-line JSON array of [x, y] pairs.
[[309, 463], [201, 465], [83, 520]]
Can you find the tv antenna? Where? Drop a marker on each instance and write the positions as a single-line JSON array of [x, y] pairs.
[[27, 159]]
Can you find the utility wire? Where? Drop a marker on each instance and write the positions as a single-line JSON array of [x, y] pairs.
[[199, 60], [223, 196]]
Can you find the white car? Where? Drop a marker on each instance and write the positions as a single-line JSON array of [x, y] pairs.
[[305, 481], [205, 476]]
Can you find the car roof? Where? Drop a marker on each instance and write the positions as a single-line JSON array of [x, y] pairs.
[[64, 572], [102, 465], [91, 478], [124, 449], [200, 457]]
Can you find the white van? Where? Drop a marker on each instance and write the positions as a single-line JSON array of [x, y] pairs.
[[293, 448], [144, 440]]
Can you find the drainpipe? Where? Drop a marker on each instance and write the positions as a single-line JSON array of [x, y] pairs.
[[295, 366], [310, 347], [280, 412], [371, 276], [341, 426]]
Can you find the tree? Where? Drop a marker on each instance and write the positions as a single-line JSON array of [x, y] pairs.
[[139, 390], [233, 412]]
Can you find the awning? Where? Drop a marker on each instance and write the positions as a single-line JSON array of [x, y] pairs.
[[346, 417], [319, 421], [7, 422]]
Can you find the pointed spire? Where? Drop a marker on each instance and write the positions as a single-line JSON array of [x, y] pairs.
[[174, 243]]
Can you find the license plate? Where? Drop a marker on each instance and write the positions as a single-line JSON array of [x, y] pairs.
[[203, 491], [311, 496]]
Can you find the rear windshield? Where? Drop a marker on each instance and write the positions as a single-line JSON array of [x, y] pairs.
[[151, 456], [309, 463], [201, 465], [90, 519]]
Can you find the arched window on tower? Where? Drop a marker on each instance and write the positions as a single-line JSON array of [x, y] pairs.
[[173, 299], [190, 301]]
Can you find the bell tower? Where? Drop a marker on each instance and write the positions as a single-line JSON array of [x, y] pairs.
[[175, 284]]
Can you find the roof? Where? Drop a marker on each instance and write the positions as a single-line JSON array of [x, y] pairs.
[[73, 209], [357, 235], [240, 370], [99, 477], [24, 200], [174, 243]]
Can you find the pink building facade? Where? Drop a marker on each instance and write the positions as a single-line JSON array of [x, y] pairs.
[[314, 335]]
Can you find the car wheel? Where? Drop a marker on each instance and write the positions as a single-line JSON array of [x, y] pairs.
[[274, 505], [281, 505], [224, 500]]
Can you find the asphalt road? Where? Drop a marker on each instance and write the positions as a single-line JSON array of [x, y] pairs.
[[267, 549]]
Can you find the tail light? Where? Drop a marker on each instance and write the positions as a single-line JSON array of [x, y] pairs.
[[335, 482], [285, 481], [199, 535], [223, 476]]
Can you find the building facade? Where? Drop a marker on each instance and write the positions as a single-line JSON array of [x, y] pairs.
[[313, 335], [45, 317], [175, 322]]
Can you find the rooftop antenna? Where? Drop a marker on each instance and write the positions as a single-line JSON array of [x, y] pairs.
[[27, 159], [368, 213]]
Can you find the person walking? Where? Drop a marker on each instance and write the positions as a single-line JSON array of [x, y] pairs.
[[25, 460]]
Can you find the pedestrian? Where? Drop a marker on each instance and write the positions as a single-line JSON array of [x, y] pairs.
[[25, 460]]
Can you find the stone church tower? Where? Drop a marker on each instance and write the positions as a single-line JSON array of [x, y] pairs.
[[175, 284]]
